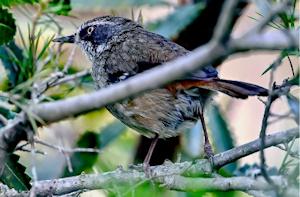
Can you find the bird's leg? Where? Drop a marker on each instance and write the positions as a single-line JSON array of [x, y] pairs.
[[207, 146], [146, 162]]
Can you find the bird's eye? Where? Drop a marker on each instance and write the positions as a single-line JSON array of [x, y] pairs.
[[90, 30]]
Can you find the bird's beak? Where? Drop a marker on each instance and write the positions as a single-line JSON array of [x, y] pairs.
[[65, 39]]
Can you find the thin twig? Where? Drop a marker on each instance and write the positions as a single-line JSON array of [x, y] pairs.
[[12, 124], [8, 95], [66, 152], [21, 146], [58, 56], [69, 164], [261, 100], [61, 149], [57, 75], [71, 77], [33, 170], [48, 81], [30, 150], [270, 100]]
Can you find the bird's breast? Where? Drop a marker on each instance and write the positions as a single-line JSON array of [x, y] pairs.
[[157, 111]]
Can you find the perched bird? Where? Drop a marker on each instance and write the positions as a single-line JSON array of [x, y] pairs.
[[120, 48]]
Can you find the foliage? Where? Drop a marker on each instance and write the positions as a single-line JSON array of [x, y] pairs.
[[286, 22], [7, 26], [33, 60], [111, 132], [14, 174], [60, 7], [12, 59]]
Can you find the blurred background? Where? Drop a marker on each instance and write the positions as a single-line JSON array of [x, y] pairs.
[[231, 122]]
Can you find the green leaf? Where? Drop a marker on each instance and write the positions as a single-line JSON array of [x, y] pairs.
[[47, 43], [274, 25], [221, 135], [12, 56], [284, 53], [111, 132], [59, 7], [285, 20], [14, 175], [82, 161], [7, 27], [293, 14], [174, 23]]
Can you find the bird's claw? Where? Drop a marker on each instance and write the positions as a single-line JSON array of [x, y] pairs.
[[209, 153], [147, 170]]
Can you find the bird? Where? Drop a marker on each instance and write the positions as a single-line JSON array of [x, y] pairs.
[[120, 48]]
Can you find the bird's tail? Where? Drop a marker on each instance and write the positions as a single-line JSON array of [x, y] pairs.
[[235, 89]]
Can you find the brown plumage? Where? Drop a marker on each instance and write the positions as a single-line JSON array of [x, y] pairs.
[[120, 48]]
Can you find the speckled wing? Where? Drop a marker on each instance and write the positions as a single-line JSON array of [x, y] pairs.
[[145, 51]]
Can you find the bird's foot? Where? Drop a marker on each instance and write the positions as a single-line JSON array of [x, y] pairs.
[[147, 170], [209, 153]]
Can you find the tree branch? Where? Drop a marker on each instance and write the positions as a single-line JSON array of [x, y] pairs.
[[168, 173], [181, 183], [254, 146]]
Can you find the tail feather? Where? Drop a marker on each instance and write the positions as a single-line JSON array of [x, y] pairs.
[[235, 89]]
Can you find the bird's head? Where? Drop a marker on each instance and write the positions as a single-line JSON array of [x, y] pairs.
[[98, 34]]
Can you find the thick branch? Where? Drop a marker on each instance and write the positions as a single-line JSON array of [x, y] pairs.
[[168, 173], [219, 184]]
